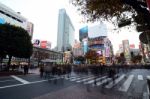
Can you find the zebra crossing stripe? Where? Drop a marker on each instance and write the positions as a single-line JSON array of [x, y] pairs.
[[126, 84], [85, 79], [97, 79], [74, 79], [20, 79], [110, 85], [148, 77], [140, 77], [102, 82]]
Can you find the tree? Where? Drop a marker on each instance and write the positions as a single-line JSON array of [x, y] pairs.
[[15, 41], [95, 10]]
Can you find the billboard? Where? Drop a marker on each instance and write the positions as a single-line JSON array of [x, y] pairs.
[[2, 21], [36, 42], [107, 52], [97, 47], [126, 48], [85, 45], [97, 30], [96, 43], [132, 46], [45, 44], [30, 28], [83, 33]]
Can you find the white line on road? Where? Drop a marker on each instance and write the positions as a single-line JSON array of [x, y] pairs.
[[126, 84], [148, 77], [140, 77], [97, 79], [75, 79], [20, 79], [9, 86], [110, 85], [86, 79]]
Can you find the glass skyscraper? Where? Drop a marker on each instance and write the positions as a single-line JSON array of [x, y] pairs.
[[65, 35]]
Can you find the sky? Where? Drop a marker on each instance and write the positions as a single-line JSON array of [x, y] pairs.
[[44, 15]]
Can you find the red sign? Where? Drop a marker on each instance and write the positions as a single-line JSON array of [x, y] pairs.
[[132, 46], [43, 44]]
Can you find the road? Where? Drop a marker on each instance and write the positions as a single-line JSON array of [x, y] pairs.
[[132, 84]]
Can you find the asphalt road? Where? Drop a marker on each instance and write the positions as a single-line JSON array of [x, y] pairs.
[[132, 84]]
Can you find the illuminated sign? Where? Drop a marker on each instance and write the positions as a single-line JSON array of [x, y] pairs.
[[2, 21]]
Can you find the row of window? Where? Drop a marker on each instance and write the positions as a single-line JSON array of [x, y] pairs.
[[11, 16]]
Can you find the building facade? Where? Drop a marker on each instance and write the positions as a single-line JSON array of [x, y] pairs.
[[40, 54], [8, 15], [95, 38], [77, 49], [65, 35]]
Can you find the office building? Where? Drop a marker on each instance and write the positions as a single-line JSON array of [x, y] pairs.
[[7, 15], [65, 35]]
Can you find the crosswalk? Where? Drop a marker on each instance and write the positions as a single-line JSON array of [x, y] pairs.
[[126, 80]]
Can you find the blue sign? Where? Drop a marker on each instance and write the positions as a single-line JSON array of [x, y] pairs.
[[2, 21], [83, 33]]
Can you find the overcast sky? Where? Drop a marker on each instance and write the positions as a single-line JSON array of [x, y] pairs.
[[44, 15]]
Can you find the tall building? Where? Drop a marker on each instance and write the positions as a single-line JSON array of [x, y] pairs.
[[7, 15], [65, 35]]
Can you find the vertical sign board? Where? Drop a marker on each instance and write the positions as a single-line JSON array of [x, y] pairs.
[[85, 45], [126, 48]]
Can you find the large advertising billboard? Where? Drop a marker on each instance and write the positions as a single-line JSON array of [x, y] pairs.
[[97, 30], [45, 44], [83, 33], [96, 43]]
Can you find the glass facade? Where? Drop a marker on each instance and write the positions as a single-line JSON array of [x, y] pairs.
[[65, 35]]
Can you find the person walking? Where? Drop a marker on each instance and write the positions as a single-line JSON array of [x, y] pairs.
[[41, 71]]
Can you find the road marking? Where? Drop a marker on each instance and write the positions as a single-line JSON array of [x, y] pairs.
[[102, 82], [20, 79], [72, 77], [140, 77], [9, 86], [110, 85], [126, 84], [85, 79], [97, 79], [148, 77], [80, 78]]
